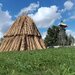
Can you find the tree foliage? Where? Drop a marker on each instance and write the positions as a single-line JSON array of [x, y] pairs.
[[52, 37]]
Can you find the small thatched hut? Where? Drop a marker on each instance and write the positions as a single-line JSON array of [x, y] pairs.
[[23, 35]]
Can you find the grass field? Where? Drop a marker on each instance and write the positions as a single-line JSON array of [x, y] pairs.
[[59, 61]]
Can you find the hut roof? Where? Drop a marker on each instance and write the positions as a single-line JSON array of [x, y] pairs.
[[23, 25], [23, 35]]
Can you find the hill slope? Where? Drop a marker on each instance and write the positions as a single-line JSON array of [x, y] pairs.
[[42, 62]]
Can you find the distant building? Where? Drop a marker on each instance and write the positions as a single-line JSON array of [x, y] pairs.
[[62, 34]]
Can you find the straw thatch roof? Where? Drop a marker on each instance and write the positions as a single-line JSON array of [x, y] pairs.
[[23, 35]]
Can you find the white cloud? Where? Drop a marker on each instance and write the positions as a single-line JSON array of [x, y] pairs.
[[32, 7], [5, 20], [69, 18], [70, 32], [46, 16], [68, 5], [1, 34], [44, 35], [72, 17]]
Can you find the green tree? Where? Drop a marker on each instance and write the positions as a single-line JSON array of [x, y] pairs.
[[71, 40], [52, 36]]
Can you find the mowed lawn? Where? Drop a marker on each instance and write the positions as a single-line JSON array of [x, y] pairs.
[[51, 61]]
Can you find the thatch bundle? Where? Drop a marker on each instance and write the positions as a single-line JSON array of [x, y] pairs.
[[23, 35]]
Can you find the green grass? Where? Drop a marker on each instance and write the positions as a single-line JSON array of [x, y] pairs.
[[59, 61]]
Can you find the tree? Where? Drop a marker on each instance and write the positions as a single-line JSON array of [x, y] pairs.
[[70, 40], [52, 36]]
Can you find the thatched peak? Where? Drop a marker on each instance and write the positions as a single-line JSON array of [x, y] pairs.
[[23, 25]]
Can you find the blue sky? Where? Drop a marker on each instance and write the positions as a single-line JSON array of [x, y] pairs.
[[48, 12]]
